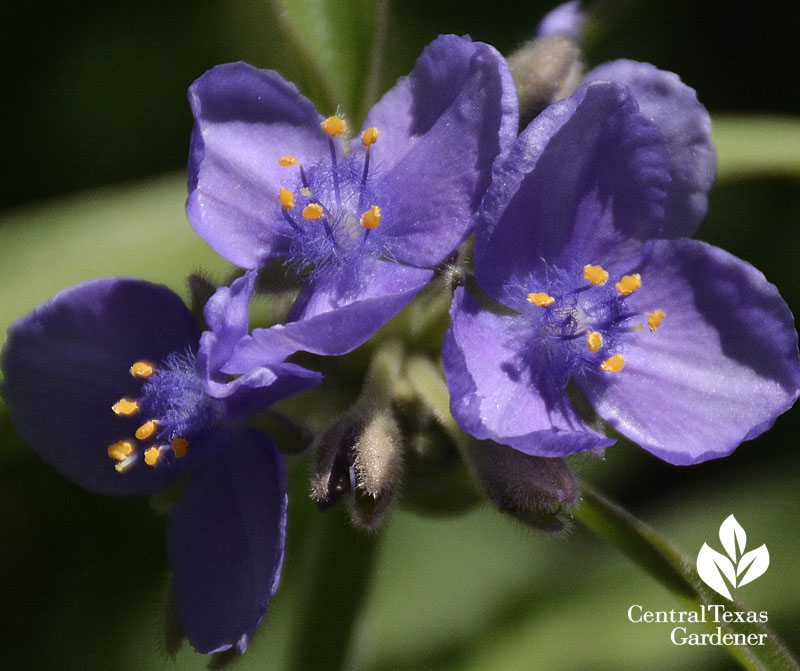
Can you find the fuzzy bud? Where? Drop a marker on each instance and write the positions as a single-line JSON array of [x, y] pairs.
[[538, 491], [361, 454], [545, 70]]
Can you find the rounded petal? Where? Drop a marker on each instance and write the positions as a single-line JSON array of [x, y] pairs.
[[227, 314], [245, 119], [225, 540], [261, 387], [440, 131], [493, 393], [566, 19], [340, 310], [67, 362], [719, 370], [584, 183], [686, 126]]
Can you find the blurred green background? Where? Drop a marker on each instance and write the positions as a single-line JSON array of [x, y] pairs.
[[96, 131]]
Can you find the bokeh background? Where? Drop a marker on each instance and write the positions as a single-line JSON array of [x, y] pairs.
[[95, 133]]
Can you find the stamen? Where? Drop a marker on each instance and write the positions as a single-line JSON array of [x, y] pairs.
[[121, 450], [146, 430], [541, 299], [613, 365], [371, 218], [333, 126], [594, 341], [180, 446], [312, 211], [287, 198], [125, 464], [151, 455], [287, 161], [127, 407], [629, 283], [654, 319], [142, 369], [369, 136], [595, 274]]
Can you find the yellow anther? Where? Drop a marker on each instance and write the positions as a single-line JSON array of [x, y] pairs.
[[142, 369], [369, 136], [594, 341], [180, 446], [371, 218], [127, 407], [541, 299], [287, 160], [629, 283], [151, 455], [118, 451], [287, 198], [595, 274], [312, 211], [613, 365], [146, 430], [333, 126], [654, 319], [124, 465]]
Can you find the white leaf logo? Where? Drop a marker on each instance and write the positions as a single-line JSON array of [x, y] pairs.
[[738, 568]]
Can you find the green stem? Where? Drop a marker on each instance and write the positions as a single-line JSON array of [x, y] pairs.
[[677, 572], [340, 562]]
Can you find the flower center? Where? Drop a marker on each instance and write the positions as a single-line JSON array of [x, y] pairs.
[[175, 409], [332, 207], [578, 324]]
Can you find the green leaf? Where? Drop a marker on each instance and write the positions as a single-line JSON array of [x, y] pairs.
[[340, 45], [756, 146], [677, 572], [136, 229]]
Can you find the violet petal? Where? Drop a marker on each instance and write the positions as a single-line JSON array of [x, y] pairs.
[[719, 370]]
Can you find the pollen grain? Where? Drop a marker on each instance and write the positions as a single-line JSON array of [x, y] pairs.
[[629, 283], [541, 299], [371, 218], [594, 341], [333, 126], [614, 364], [312, 211], [595, 274], [654, 319]]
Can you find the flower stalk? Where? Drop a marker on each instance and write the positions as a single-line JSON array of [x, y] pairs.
[[672, 568]]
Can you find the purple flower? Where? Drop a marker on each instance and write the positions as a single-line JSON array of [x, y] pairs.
[[566, 20], [270, 178], [678, 345], [686, 127], [113, 384], [673, 106]]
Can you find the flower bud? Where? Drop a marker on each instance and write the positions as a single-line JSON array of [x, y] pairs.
[[332, 466], [361, 453], [545, 70], [538, 491], [378, 466]]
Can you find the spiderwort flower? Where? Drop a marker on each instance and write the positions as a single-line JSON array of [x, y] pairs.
[[673, 106], [678, 345], [113, 384], [270, 178]]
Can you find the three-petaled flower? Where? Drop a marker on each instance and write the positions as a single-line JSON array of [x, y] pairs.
[[113, 384], [270, 178], [678, 345]]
